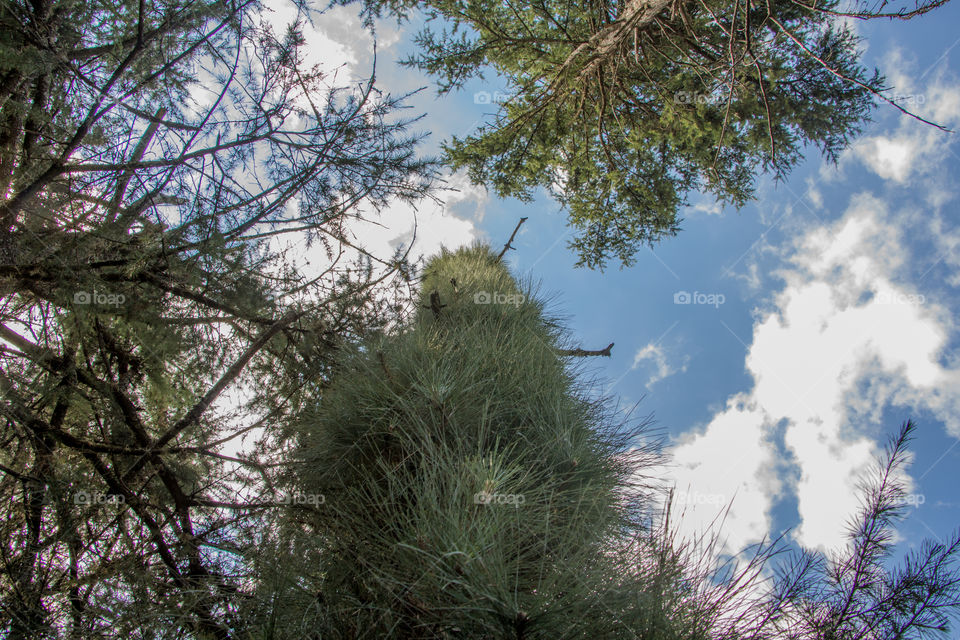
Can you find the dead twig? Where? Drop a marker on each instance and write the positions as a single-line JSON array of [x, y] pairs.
[[512, 236], [585, 352]]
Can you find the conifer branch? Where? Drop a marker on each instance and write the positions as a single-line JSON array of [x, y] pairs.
[[386, 369], [225, 380]]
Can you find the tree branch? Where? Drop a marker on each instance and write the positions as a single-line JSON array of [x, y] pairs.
[[225, 380], [509, 244], [584, 352]]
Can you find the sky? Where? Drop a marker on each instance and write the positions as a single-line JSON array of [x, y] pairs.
[[779, 346]]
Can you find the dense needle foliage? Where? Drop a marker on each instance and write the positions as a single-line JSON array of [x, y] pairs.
[[457, 481], [459, 461]]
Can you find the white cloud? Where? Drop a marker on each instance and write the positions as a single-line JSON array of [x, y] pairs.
[[947, 243], [428, 225], [813, 193], [378, 235], [891, 159], [751, 278], [708, 206], [654, 353], [338, 44], [335, 38], [916, 147], [731, 462], [846, 337]]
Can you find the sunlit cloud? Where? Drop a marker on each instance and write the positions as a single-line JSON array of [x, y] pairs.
[[843, 338]]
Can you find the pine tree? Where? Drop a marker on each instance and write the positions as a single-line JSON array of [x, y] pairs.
[[623, 109], [471, 487]]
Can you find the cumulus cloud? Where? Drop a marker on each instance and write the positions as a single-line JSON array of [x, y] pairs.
[[709, 207], [730, 463], [423, 228], [427, 225], [847, 336], [844, 337], [813, 193], [890, 158], [337, 42]]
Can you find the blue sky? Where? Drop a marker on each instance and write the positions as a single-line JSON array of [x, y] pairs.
[[821, 315]]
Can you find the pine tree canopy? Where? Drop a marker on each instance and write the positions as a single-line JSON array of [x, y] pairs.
[[149, 153], [622, 110]]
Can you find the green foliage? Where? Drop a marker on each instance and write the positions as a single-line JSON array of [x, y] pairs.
[[139, 286], [622, 117], [149, 153], [469, 483]]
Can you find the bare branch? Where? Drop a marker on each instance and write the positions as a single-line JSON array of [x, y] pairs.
[[509, 244], [584, 353]]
